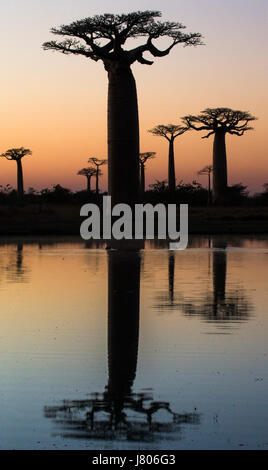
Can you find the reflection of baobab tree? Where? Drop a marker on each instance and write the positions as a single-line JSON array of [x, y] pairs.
[[94, 244], [171, 268], [223, 304], [219, 304], [16, 270], [118, 413]]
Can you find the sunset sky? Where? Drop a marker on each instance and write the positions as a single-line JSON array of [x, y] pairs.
[[56, 104]]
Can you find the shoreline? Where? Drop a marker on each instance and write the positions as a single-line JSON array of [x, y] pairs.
[[57, 220]]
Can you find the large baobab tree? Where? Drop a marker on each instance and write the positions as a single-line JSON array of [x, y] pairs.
[[17, 155], [103, 37], [219, 122], [98, 163], [144, 157], [170, 132], [88, 173], [207, 170]]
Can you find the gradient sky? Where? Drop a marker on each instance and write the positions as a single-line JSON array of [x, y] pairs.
[[56, 104]]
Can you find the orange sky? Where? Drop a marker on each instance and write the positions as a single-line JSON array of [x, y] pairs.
[[56, 104]]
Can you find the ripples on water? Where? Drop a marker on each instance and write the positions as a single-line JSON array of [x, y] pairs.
[[143, 349]]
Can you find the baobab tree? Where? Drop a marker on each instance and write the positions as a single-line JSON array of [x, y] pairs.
[[97, 162], [219, 122], [102, 37], [144, 157], [207, 170], [17, 155], [88, 173], [170, 132]]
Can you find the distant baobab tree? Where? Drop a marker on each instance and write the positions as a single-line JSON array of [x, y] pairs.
[[102, 37], [220, 121], [207, 170], [170, 132], [16, 155], [144, 157], [88, 173], [97, 162]]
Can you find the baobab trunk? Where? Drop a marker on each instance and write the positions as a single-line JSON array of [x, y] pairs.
[[219, 168], [142, 179], [171, 167], [20, 180], [97, 181], [123, 134]]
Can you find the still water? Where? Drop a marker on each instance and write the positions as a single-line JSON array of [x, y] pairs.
[[149, 349]]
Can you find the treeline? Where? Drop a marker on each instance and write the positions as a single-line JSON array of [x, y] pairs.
[[193, 194]]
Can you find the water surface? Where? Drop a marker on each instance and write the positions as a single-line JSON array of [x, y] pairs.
[[149, 349]]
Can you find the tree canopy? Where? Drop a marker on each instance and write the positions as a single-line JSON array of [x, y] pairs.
[[170, 132], [102, 37], [146, 156], [220, 119], [97, 161], [206, 170], [16, 153], [87, 172]]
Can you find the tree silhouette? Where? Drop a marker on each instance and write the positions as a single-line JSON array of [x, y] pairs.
[[102, 37], [88, 173], [222, 303], [17, 154], [97, 162], [143, 159], [207, 170], [118, 413], [220, 121], [170, 132]]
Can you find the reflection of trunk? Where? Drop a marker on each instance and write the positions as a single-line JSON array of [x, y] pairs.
[[219, 278], [171, 266], [19, 257], [219, 168], [20, 179], [171, 167], [123, 135], [142, 179], [123, 321]]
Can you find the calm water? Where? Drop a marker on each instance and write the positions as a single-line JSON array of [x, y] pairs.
[[141, 350]]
